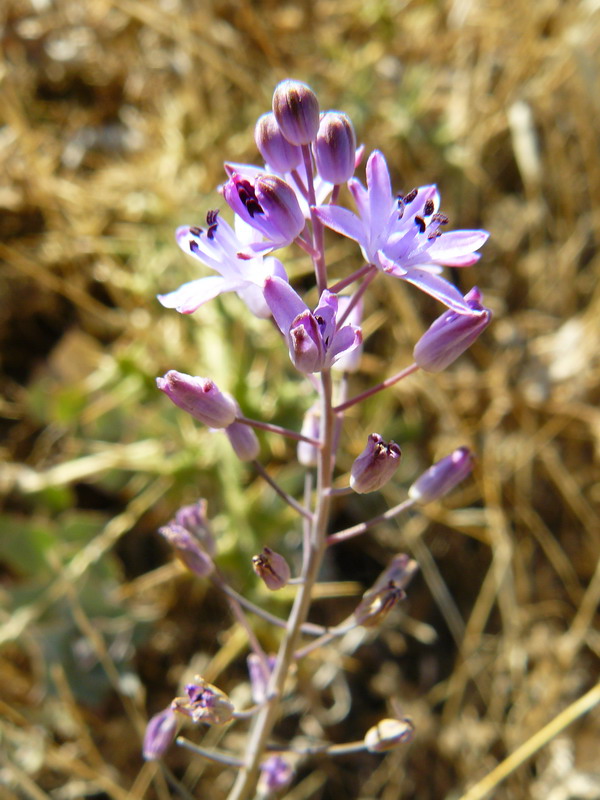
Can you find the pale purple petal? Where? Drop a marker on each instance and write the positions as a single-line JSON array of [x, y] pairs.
[[459, 261], [457, 244], [284, 303], [439, 288], [361, 198], [342, 221], [190, 296], [380, 189], [345, 341]]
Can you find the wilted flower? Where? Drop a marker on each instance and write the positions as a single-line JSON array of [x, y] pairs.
[[402, 235], [218, 247], [200, 397], [308, 453], [195, 520], [160, 734], [387, 590], [388, 734], [313, 339], [188, 549], [259, 673], [272, 568], [451, 334], [204, 703], [375, 465], [296, 110], [267, 204], [443, 476]]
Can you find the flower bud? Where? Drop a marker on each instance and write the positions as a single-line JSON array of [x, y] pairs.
[[160, 734], [296, 110], [335, 147], [443, 476], [375, 465], [260, 674], [200, 397], [277, 152], [188, 549], [451, 334], [388, 734], [308, 454], [194, 519], [243, 440], [275, 775], [272, 568], [204, 703]]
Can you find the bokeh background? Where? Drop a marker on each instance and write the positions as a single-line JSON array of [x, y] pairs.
[[116, 116]]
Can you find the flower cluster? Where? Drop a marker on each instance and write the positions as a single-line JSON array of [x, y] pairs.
[[308, 157]]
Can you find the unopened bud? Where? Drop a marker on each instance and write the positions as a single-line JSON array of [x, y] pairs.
[[200, 397], [188, 549], [195, 520], [277, 152], [204, 703], [375, 465], [451, 334], [335, 147], [260, 673], [272, 568], [443, 476], [388, 734], [243, 440], [160, 734], [308, 453], [296, 110], [275, 775]]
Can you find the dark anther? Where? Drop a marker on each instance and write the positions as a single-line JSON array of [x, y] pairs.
[[408, 198], [400, 200], [428, 208], [196, 231], [212, 222], [441, 219], [246, 194], [420, 222], [434, 234], [194, 247]]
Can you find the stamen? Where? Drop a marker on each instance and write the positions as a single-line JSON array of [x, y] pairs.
[[441, 219], [408, 198], [248, 197], [428, 208], [421, 224], [196, 231], [194, 247]]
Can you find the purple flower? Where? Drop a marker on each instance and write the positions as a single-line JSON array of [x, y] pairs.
[[277, 152], [335, 147], [313, 339], [204, 703], [451, 334], [402, 235], [272, 568], [275, 774], [266, 203], [296, 109], [218, 246], [188, 549]]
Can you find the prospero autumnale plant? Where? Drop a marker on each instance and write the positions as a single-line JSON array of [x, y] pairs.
[[309, 156]]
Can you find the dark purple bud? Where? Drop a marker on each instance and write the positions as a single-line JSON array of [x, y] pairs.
[[388, 734], [243, 440], [204, 703], [200, 397], [188, 549], [160, 734], [272, 568], [308, 454], [277, 152], [194, 519], [335, 147], [443, 476], [279, 202], [275, 775], [306, 343], [451, 334], [296, 110], [260, 673], [388, 589], [375, 465]]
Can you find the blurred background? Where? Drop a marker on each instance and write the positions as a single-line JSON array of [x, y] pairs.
[[116, 117]]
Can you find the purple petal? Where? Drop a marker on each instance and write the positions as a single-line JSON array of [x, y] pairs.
[[456, 244], [380, 189], [284, 303], [342, 221], [345, 341], [190, 296], [439, 288]]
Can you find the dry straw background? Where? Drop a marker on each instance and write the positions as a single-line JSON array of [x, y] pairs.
[[116, 118]]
